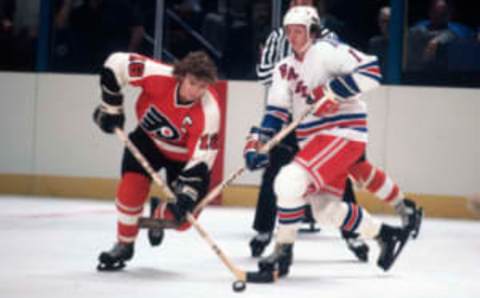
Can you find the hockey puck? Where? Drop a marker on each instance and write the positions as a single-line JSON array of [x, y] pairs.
[[239, 286]]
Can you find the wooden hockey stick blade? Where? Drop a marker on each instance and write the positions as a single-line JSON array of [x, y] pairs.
[[156, 223]]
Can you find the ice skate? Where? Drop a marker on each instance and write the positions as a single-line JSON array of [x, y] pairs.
[[356, 245], [391, 241], [114, 259], [155, 234], [411, 216], [279, 260], [259, 243]]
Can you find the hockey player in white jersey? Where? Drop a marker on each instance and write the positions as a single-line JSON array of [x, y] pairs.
[[332, 139]]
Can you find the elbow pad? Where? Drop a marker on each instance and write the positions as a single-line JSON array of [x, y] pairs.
[[111, 94]]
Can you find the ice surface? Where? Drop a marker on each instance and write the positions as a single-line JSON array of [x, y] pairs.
[[49, 248]]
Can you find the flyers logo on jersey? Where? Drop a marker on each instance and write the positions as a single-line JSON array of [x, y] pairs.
[[154, 122]]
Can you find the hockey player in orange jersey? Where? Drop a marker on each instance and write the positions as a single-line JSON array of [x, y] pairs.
[[178, 125]]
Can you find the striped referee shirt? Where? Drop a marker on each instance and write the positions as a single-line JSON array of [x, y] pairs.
[[276, 48]]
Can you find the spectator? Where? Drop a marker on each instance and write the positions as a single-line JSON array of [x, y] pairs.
[[260, 28], [328, 20], [428, 38], [227, 29], [183, 20], [7, 11], [61, 51], [378, 44], [214, 30], [190, 11], [358, 20], [101, 27]]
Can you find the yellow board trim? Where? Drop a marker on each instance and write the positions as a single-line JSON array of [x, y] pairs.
[[62, 186], [236, 195]]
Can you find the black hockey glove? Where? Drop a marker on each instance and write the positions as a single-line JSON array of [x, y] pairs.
[[108, 118], [183, 205], [190, 186]]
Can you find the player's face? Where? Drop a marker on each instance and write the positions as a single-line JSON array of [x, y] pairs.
[[297, 37], [192, 88]]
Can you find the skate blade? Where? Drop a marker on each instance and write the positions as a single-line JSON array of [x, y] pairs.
[[102, 267], [311, 229]]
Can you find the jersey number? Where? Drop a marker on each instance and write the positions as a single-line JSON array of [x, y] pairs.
[[209, 142], [355, 55]]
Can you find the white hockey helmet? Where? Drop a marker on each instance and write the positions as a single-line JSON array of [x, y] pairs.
[[303, 15]]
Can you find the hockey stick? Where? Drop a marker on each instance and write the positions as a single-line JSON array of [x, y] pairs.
[[241, 275], [264, 149]]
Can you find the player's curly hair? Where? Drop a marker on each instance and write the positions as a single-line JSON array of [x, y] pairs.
[[198, 64]]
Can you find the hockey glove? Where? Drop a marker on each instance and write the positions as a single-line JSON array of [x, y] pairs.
[[183, 205], [190, 186], [329, 106], [255, 160], [108, 117]]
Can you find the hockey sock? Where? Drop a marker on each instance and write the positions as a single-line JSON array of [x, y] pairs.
[[289, 221], [377, 182], [131, 195], [364, 224], [350, 217]]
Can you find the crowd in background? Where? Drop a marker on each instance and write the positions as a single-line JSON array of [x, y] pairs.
[[441, 39], [17, 43]]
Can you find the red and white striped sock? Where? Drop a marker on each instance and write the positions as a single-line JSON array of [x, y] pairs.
[[377, 182], [131, 195]]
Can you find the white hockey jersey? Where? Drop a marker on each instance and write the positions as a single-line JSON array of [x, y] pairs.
[[345, 70]]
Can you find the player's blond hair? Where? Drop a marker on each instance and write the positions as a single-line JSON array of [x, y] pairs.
[[198, 64]]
